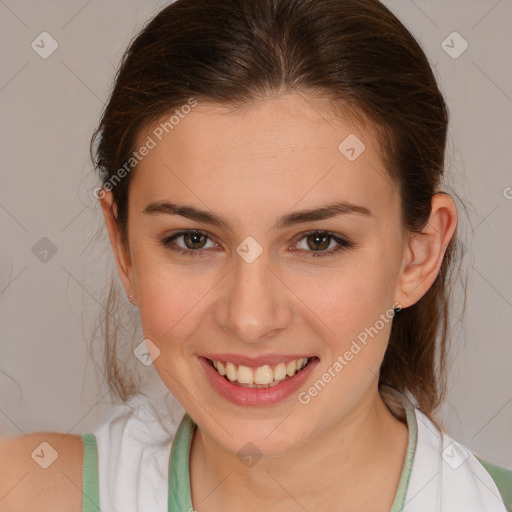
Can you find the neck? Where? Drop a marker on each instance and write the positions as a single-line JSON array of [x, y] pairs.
[[360, 448]]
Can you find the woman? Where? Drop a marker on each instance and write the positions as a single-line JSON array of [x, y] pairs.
[[272, 189]]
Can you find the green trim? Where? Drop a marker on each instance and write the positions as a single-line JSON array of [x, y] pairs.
[[398, 502], [90, 481], [502, 478], [179, 497]]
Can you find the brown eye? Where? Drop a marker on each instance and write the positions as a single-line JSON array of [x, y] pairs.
[[193, 242], [317, 243]]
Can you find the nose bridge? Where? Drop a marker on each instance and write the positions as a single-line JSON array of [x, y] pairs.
[[256, 306]]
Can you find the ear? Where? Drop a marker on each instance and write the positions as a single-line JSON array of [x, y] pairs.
[[122, 259], [425, 251]]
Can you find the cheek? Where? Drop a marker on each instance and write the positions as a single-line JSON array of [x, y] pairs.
[[170, 298], [352, 296], [352, 307], [170, 309]]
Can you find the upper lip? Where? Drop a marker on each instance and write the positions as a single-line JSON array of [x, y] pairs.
[[254, 362]]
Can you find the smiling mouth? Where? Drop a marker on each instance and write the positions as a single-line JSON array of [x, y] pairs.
[[265, 376]]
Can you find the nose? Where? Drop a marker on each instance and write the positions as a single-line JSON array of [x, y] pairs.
[[256, 304]]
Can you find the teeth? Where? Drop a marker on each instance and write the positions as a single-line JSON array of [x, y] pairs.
[[231, 371], [244, 375], [280, 371], [291, 367], [261, 377]]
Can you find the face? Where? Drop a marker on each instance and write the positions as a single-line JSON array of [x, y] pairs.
[[265, 286]]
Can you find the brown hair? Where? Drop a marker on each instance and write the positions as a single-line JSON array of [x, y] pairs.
[[355, 52]]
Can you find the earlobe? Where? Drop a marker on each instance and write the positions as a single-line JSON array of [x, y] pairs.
[[425, 251], [123, 264]]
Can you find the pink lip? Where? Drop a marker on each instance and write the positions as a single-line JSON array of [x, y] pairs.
[[254, 362], [255, 396]]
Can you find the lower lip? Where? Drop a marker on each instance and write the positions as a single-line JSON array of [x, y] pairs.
[[255, 396]]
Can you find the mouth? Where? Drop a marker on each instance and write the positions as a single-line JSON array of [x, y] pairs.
[[266, 376], [263, 385]]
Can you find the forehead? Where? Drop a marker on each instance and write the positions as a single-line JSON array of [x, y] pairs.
[[277, 151]]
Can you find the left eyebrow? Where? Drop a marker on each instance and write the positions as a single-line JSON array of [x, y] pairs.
[[289, 219], [322, 213]]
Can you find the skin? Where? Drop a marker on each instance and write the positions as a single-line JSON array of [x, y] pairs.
[[252, 166]]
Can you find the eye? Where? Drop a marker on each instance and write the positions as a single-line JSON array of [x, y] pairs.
[[194, 242], [317, 242]]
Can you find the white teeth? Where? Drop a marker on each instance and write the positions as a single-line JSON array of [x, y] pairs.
[[280, 371], [291, 367], [244, 375], [261, 377], [230, 371]]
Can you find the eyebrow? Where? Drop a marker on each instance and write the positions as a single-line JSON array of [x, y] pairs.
[[298, 217]]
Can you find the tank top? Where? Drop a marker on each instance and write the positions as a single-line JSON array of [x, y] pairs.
[[134, 463]]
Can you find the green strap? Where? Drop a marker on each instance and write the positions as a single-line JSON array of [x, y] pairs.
[[179, 497], [90, 481], [398, 502], [503, 479]]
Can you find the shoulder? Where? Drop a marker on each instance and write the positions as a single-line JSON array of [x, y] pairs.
[[43, 470]]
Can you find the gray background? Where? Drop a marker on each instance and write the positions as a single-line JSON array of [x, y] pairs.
[[49, 303]]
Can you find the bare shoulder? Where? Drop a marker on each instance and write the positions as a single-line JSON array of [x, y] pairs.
[[42, 470]]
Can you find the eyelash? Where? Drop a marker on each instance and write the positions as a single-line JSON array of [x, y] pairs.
[[342, 243]]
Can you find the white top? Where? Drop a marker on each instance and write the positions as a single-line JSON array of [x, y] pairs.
[[133, 458], [134, 449], [447, 477]]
